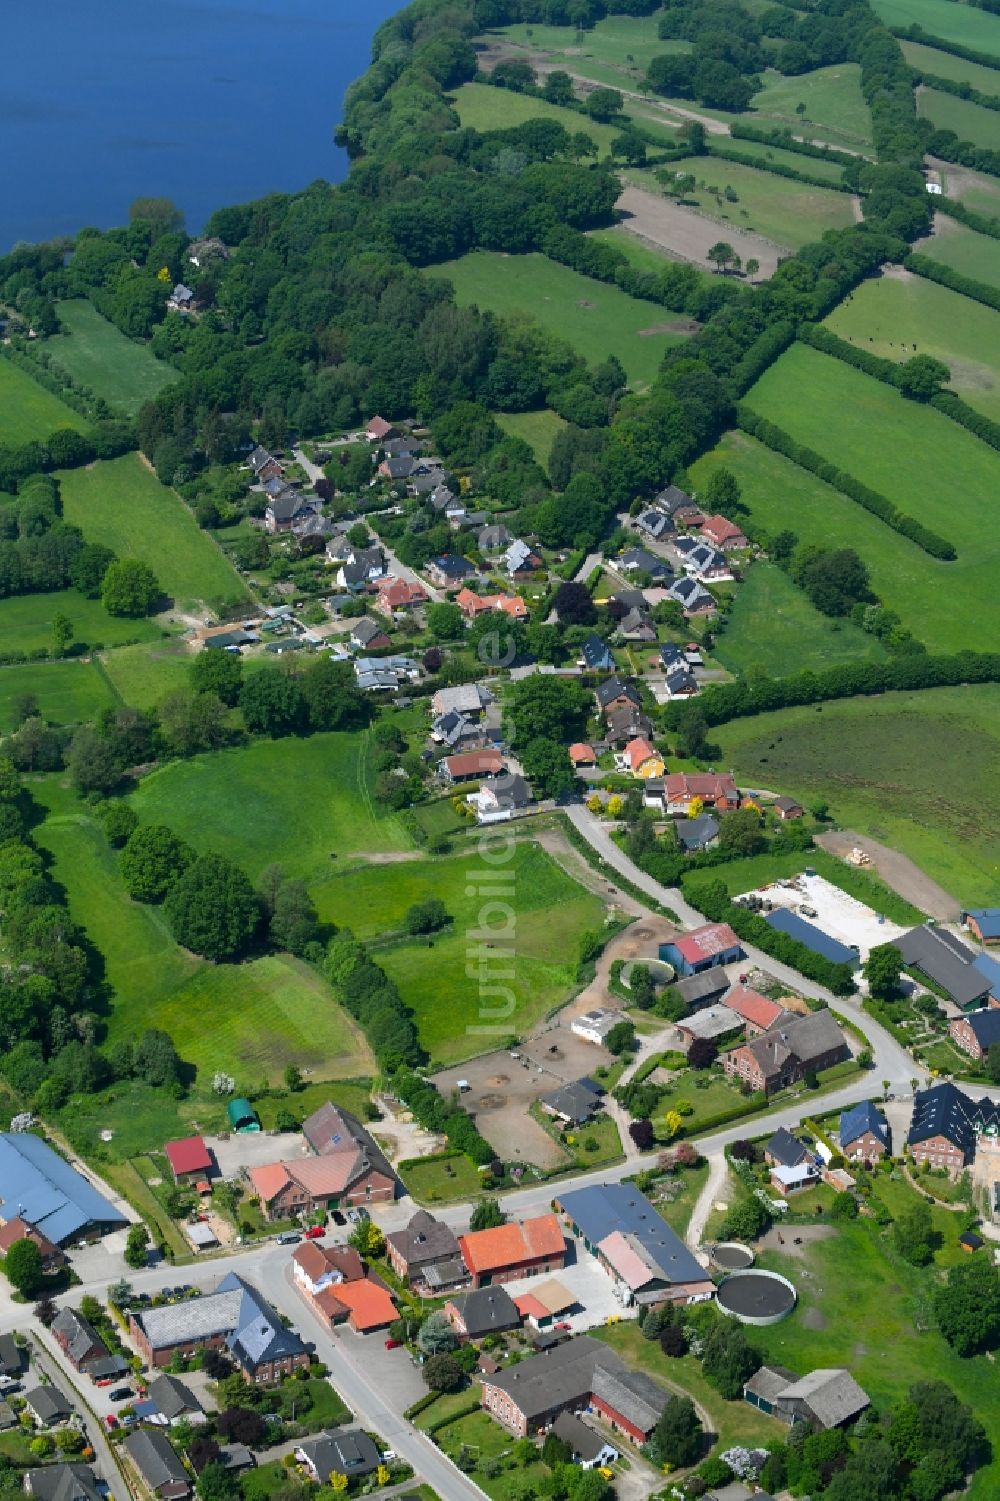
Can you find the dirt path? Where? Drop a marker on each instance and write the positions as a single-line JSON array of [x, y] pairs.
[[689, 234], [897, 871], [705, 1202]]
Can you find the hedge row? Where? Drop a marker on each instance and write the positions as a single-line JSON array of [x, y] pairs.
[[776, 438], [755, 1104], [764, 350], [959, 411], [785, 142], [981, 223], [916, 33], [948, 145], [960, 90], [842, 349], [714, 901], [780, 169], [719, 703], [979, 291], [471, 1406]]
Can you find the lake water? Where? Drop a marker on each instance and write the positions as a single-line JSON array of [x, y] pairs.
[[206, 102]]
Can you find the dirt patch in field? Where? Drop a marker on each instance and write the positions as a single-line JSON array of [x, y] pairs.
[[795, 1240], [687, 234], [813, 1319], [898, 873], [676, 326]]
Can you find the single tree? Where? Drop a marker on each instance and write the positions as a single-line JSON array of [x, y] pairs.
[[442, 1373], [913, 1234], [62, 632], [702, 1053], [574, 605], [487, 1215], [24, 1268], [212, 908], [154, 858], [427, 916], [967, 1307], [436, 1336], [621, 1038], [129, 588], [882, 970], [751, 266], [722, 254], [677, 1438], [136, 1245]]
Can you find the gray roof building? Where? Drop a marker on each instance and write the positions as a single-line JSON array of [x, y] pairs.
[[766, 1385], [425, 1240], [946, 962], [701, 989], [173, 1398], [39, 1186], [632, 1394], [78, 1337], [786, 1149], [575, 1102], [485, 1310], [605, 1208], [62, 1482], [253, 1331], [349, 1453], [568, 1374], [49, 1405], [157, 1462], [824, 1398], [585, 1443], [696, 833], [11, 1357]]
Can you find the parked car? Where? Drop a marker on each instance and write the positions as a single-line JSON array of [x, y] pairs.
[[288, 1238], [338, 1217], [357, 1215], [393, 1344], [122, 1394]]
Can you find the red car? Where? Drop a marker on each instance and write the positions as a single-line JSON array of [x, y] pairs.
[[315, 1232], [393, 1344], [111, 1420], [564, 1325]]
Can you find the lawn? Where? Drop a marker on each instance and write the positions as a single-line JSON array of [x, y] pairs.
[[487, 1440], [964, 250], [97, 355], [292, 802], [862, 1307], [26, 622], [677, 1209], [774, 626], [970, 122], [597, 319], [706, 1103], [920, 590], [143, 674], [67, 692], [928, 465], [456, 1012], [944, 65], [732, 1422], [958, 23], [833, 100], [816, 166], [439, 1180], [483, 107], [626, 42], [740, 876], [122, 504], [787, 212], [869, 757], [892, 317], [538, 429], [27, 411]]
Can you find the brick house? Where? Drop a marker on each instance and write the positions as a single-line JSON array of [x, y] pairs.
[[17, 1229], [941, 1129], [334, 1282], [864, 1134], [714, 789], [977, 1032], [983, 923], [576, 1374], [426, 1252], [398, 594], [235, 1318], [77, 1339], [723, 533], [338, 1135], [758, 1012], [784, 1054], [510, 1251]]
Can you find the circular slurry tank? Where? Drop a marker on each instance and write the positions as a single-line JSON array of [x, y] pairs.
[[756, 1297], [732, 1256]]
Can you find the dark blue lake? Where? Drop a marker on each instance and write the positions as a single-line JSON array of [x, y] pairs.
[[206, 102]]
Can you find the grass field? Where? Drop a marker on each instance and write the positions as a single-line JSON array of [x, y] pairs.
[[439, 1180], [29, 412], [454, 1014], [596, 319], [970, 122], [288, 802], [958, 23], [869, 758], [627, 42], [964, 250], [933, 60], [862, 1306], [922, 591], [26, 621], [96, 354], [640, 253], [537, 429], [928, 465], [789, 212], [122, 504], [832, 97], [484, 107], [815, 165], [141, 675], [773, 625], [67, 692], [891, 316]]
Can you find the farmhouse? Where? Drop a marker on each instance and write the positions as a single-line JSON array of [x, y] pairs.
[[482, 1311], [934, 954], [235, 1318], [158, 1463], [17, 1229], [864, 1133], [351, 1453], [510, 1251], [983, 923], [712, 789], [577, 1373], [784, 1054], [574, 1103], [332, 1279], [636, 1247], [757, 1011], [40, 1188], [469, 766], [190, 1160], [77, 1339], [976, 1032], [337, 1135], [703, 948], [426, 1251], [641, 759]]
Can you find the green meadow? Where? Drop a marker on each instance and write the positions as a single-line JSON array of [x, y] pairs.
[[917, 771], [772, 625], [27, 411], [957, 23], [121, 503], [68, 692], [97, 355], [963, 250], [597, 319], [537, 429], [896, 316], [142, 675], [454, 1014], [834, 104], [26, 621], [627, 42], [298, 803], [933, 60], [484, 107], [931, 598], [970, 122], [817, 166]]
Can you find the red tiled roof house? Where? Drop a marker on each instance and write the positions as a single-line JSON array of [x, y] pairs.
[[510, 1251]]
